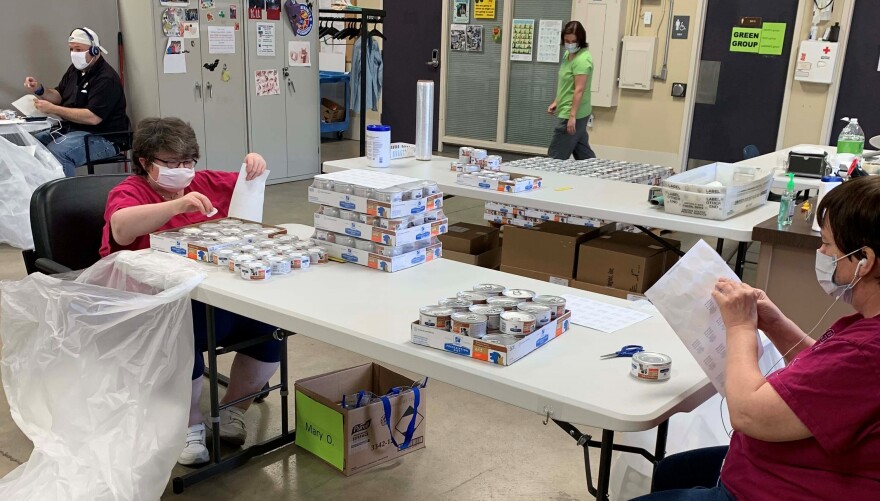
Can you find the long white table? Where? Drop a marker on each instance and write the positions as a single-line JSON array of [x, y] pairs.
[[776, 159], [370, 312]]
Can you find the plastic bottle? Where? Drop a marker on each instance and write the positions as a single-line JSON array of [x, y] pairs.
[[829, 182], [786, 205], [851, 139]]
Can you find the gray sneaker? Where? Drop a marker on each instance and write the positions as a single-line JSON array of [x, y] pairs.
[[195, 453], [232, 427]]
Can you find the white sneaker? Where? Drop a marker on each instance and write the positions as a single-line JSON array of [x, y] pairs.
[[195, 452], [232, 427]]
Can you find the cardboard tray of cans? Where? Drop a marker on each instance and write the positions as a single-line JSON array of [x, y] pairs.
[[341, 190], [366, 227], [489, 352], [500, 181], [522, 222], [521, 216], [200, 241], [388, 263]]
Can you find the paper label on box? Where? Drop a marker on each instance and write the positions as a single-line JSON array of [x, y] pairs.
[[368, 178], [317, 427], [559, 281]]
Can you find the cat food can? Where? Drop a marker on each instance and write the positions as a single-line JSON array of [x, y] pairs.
[[211, 234], [501, 339], [283, 249], [473, 297], [231, 230], [435, 316], [492, 313], [518, 323], [221, 257], [248, 249], [465, 153], [318, 255], [286, 239], [300, 260], [241, 259], [543, 314], [229, 222], [191, 231], [519, 294], [256, 271], [280, 265], [556, 304], [489, 289], [470, 324], [210, 226], [504, 302], [457, 304], [264, 253], [649, 366]]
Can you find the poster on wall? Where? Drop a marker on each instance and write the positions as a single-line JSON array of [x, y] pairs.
[[192, 15], [174, 3], [549, 38], [522, 43], [267, 83], [458, 37], [207, 4], [221, 40], [484, 9], [172, 22], [460, 12], [299, 53], [255, 9], [300, 17], [266, 39], [273, 10], [233, 12], [474, 38], [190, 30], [174, 60]]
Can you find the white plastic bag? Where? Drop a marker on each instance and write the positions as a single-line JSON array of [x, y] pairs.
[[25, 164], [97, 373]]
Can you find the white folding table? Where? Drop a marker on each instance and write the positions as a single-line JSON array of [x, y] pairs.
[[581, 196], [370, 312]]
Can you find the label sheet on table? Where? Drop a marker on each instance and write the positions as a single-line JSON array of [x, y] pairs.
[[368, 178], [602, 316]]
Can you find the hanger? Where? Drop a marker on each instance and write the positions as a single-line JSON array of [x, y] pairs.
[[376, 33]]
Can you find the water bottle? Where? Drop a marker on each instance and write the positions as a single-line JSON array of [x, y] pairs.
[[850, 143]]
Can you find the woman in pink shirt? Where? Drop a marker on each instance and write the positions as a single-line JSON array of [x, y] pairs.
[[812, 429], [168, 192]]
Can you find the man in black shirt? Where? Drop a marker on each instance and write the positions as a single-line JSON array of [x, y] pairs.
[[89, 99]]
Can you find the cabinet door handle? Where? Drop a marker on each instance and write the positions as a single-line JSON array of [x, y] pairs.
[[290, 85], [199, 89], [210, 89]]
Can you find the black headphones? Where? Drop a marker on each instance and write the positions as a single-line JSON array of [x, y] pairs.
[[93, 48]]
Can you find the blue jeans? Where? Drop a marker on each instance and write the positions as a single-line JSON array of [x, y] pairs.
[[692, 475], [71, 152]]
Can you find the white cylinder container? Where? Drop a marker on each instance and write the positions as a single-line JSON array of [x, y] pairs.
[[828, 183], [379, 145]]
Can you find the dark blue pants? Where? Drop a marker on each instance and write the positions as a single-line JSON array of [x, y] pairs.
[[692, 475], [230, 329]]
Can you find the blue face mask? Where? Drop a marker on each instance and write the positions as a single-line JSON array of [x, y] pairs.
[[572, 48], [826, 266]]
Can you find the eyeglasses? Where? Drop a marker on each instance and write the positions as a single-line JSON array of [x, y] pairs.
[[189, 164]]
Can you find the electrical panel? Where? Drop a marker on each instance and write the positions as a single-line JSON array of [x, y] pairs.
[[816, 62], [604, 21], [637, 63]]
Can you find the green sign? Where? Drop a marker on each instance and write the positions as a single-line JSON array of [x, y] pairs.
[[772, 39], [319, 430], [746, 40]]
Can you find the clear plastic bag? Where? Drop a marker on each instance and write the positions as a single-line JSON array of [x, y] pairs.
[[97, 373], [25, 164]]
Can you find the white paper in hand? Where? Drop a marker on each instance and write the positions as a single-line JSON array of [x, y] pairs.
[[25, 104], [247, 198], [684, 298]]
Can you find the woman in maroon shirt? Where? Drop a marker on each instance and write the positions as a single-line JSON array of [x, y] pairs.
[[166, 193], [812, 429]]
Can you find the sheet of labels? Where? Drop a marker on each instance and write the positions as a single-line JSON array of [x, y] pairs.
[[368, 178], [601, 316], [684, 298]]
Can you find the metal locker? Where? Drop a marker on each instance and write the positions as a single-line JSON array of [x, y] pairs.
[[303, 109]]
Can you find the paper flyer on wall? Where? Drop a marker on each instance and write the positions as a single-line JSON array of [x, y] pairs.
[[174, 60], [460, 11], [267, 83], [266, 39], [221, 40], [299, 53], [458, 37], [549, 38], [484, 9], [522, 43], [172, 21], [191, 30], [684, 297], [474, 38]]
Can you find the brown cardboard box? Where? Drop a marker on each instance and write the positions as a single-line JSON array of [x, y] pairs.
[[353, 440], [550, 248], [490, 259], [599, 289], [624, 261], [567, 282], [470, 238]]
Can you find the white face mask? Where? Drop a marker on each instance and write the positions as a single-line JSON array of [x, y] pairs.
[[572, 48], [79, 60], [174, 179], [825, 268]]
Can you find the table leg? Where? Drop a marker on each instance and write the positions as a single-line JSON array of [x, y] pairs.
[[660, 449], [719, 247], [605, 464], [741, 251], [212, 377], [285, 426]]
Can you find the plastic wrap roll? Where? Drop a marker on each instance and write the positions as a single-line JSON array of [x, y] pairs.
[[424, 119]]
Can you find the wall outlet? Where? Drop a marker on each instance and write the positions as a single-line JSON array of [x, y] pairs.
[[590, 122], [648, 16]]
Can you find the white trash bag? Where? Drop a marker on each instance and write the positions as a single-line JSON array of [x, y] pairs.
[[25, 164], [97, 372]]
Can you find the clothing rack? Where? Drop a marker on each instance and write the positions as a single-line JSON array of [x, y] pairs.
[[364, 17]]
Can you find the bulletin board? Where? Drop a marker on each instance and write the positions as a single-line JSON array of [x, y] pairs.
[[533, 84], [472, 83]]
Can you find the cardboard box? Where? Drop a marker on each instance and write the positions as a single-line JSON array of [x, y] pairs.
[[332, 111], [374, 207], [550, 248], [624, 261], [518, 182], [487, 352], [382, 263], [470, 238], [378, 235], [353, 440], [490, 259], [545, 277], [497, 218], [537, 275]]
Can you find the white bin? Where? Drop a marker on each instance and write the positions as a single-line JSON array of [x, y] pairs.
[[743, 188]]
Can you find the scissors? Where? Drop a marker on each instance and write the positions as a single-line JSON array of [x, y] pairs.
[[627, 351]]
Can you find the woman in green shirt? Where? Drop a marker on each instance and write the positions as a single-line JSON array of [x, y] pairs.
[[572, 104]]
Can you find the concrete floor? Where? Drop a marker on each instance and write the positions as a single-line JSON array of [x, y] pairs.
[[477, 448]]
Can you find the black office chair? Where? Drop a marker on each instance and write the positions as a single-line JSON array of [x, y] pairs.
[[121, 140]]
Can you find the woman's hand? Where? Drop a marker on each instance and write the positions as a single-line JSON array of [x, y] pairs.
[[738, 304], [571, 128], [552, 108], [255, 165], [193, 202], [769, 315]]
